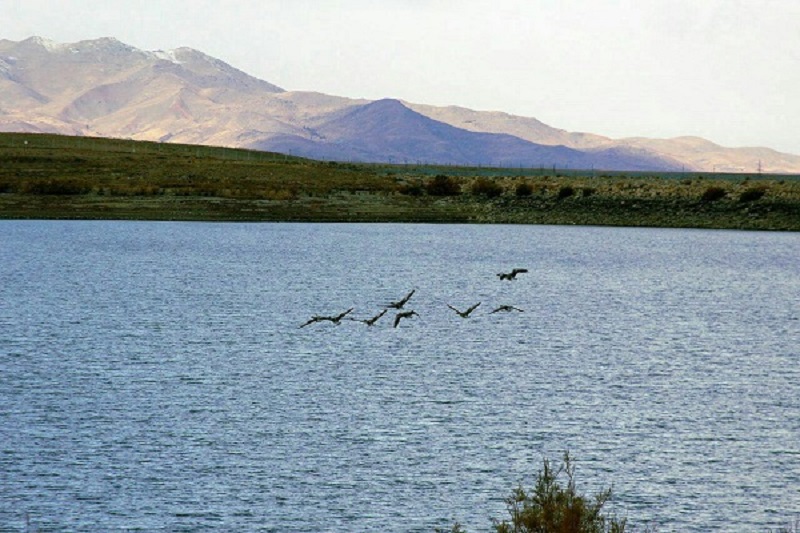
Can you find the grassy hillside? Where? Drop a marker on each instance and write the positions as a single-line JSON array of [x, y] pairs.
[[49, 176]]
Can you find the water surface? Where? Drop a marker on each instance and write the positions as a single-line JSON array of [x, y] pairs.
[[153, 376]]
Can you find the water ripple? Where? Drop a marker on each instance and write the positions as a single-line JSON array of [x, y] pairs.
[[154, 376]]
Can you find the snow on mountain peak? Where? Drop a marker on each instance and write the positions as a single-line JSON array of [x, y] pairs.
[[47, 44], [166, 55]]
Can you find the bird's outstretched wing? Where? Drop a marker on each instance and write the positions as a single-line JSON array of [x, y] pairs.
[[342, 315], [400, 303], [312, 320], [471, 309], [371, 321], [335, 319], [512, 274], [506, 308], [464, 314], [405, 314]]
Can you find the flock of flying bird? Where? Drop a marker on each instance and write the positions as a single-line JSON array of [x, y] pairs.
[[400, 304]]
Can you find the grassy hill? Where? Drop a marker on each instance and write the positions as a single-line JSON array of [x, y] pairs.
[[61, 177]]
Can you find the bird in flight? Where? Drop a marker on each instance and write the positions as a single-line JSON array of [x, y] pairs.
[[506, 308], [336, 319], [371, 321], [405, 314], [513, 274], [464, 314], [399, 304]]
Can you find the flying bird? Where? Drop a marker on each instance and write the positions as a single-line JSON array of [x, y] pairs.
[[404, 314], [314, 319], [371, 321], [513, 274], [464, 314], [335, 319], [506, 308], [399, 304]]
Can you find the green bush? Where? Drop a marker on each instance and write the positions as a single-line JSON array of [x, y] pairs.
[[712, 194], [554, 505], [56, 186], [442, 185], [524, 189], [411, 189], [7, 186], [486, 187], [551, 507], [565, 192], [752, 194]]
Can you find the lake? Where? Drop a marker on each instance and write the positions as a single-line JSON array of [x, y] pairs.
[[154, 375]]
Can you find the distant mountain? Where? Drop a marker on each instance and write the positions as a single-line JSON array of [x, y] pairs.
[[106, 88], [693, 153], [387, 130]]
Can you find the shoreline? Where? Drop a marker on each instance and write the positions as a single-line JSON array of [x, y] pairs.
[[57, 177]]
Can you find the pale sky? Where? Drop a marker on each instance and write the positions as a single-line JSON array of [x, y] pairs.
[[726, 70]]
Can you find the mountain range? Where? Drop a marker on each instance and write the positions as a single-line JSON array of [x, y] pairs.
[[106, 88]]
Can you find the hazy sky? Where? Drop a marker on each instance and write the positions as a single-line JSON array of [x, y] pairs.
[[727, 70]]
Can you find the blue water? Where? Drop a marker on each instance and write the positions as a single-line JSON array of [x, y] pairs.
[[153, 376]]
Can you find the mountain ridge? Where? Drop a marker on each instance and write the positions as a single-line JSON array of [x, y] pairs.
[[103, 87]]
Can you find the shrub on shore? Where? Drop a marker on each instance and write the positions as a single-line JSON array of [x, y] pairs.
[[550, 507], [56, 187], [411, 189], [554, 505], [712, 194], [486, 187], [524, 189], [442, 185], [565, 192], [752, 194]]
